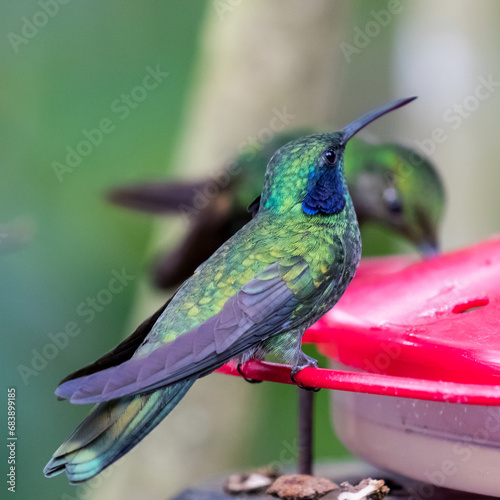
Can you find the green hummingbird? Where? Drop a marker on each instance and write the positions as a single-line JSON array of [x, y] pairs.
[[390, 185], [397, 187], [257, 294]]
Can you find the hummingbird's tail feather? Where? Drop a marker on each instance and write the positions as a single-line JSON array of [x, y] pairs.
[[111, 430]]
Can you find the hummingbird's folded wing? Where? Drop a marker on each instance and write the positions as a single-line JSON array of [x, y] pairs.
[[263, 307]]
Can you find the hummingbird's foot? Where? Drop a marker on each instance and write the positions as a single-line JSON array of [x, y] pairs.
[[249, 380], [304, 362], [302, 386]]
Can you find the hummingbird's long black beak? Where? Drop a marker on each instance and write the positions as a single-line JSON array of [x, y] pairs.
[[354, 127]]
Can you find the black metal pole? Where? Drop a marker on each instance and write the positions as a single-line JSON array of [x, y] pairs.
[[306, 410]]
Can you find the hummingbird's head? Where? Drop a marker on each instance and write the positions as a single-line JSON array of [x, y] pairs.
[[307, 175], [399, 188]]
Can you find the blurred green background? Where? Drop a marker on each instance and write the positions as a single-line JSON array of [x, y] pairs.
[[229, 65]]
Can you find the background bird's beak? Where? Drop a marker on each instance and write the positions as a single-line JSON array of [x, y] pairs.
[[354, 127], [429, 248]]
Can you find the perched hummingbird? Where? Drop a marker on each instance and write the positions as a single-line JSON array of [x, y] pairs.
[[389, 184], [256, 294]]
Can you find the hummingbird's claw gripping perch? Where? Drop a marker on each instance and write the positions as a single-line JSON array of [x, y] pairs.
[[249, 380], [295, 370]]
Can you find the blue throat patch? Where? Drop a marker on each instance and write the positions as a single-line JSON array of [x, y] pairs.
[[325, 195]]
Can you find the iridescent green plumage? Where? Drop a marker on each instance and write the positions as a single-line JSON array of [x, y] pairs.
[[256, 294], [390, 185]]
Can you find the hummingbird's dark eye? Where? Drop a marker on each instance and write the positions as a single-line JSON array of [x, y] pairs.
[[392, 201], [330, 156], [396, 207]]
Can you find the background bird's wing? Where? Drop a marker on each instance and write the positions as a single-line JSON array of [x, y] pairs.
[[164, 197], [263, 307], [253, 208]]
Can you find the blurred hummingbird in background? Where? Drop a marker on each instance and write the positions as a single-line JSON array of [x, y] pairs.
[[257, 294], [390, 185]]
